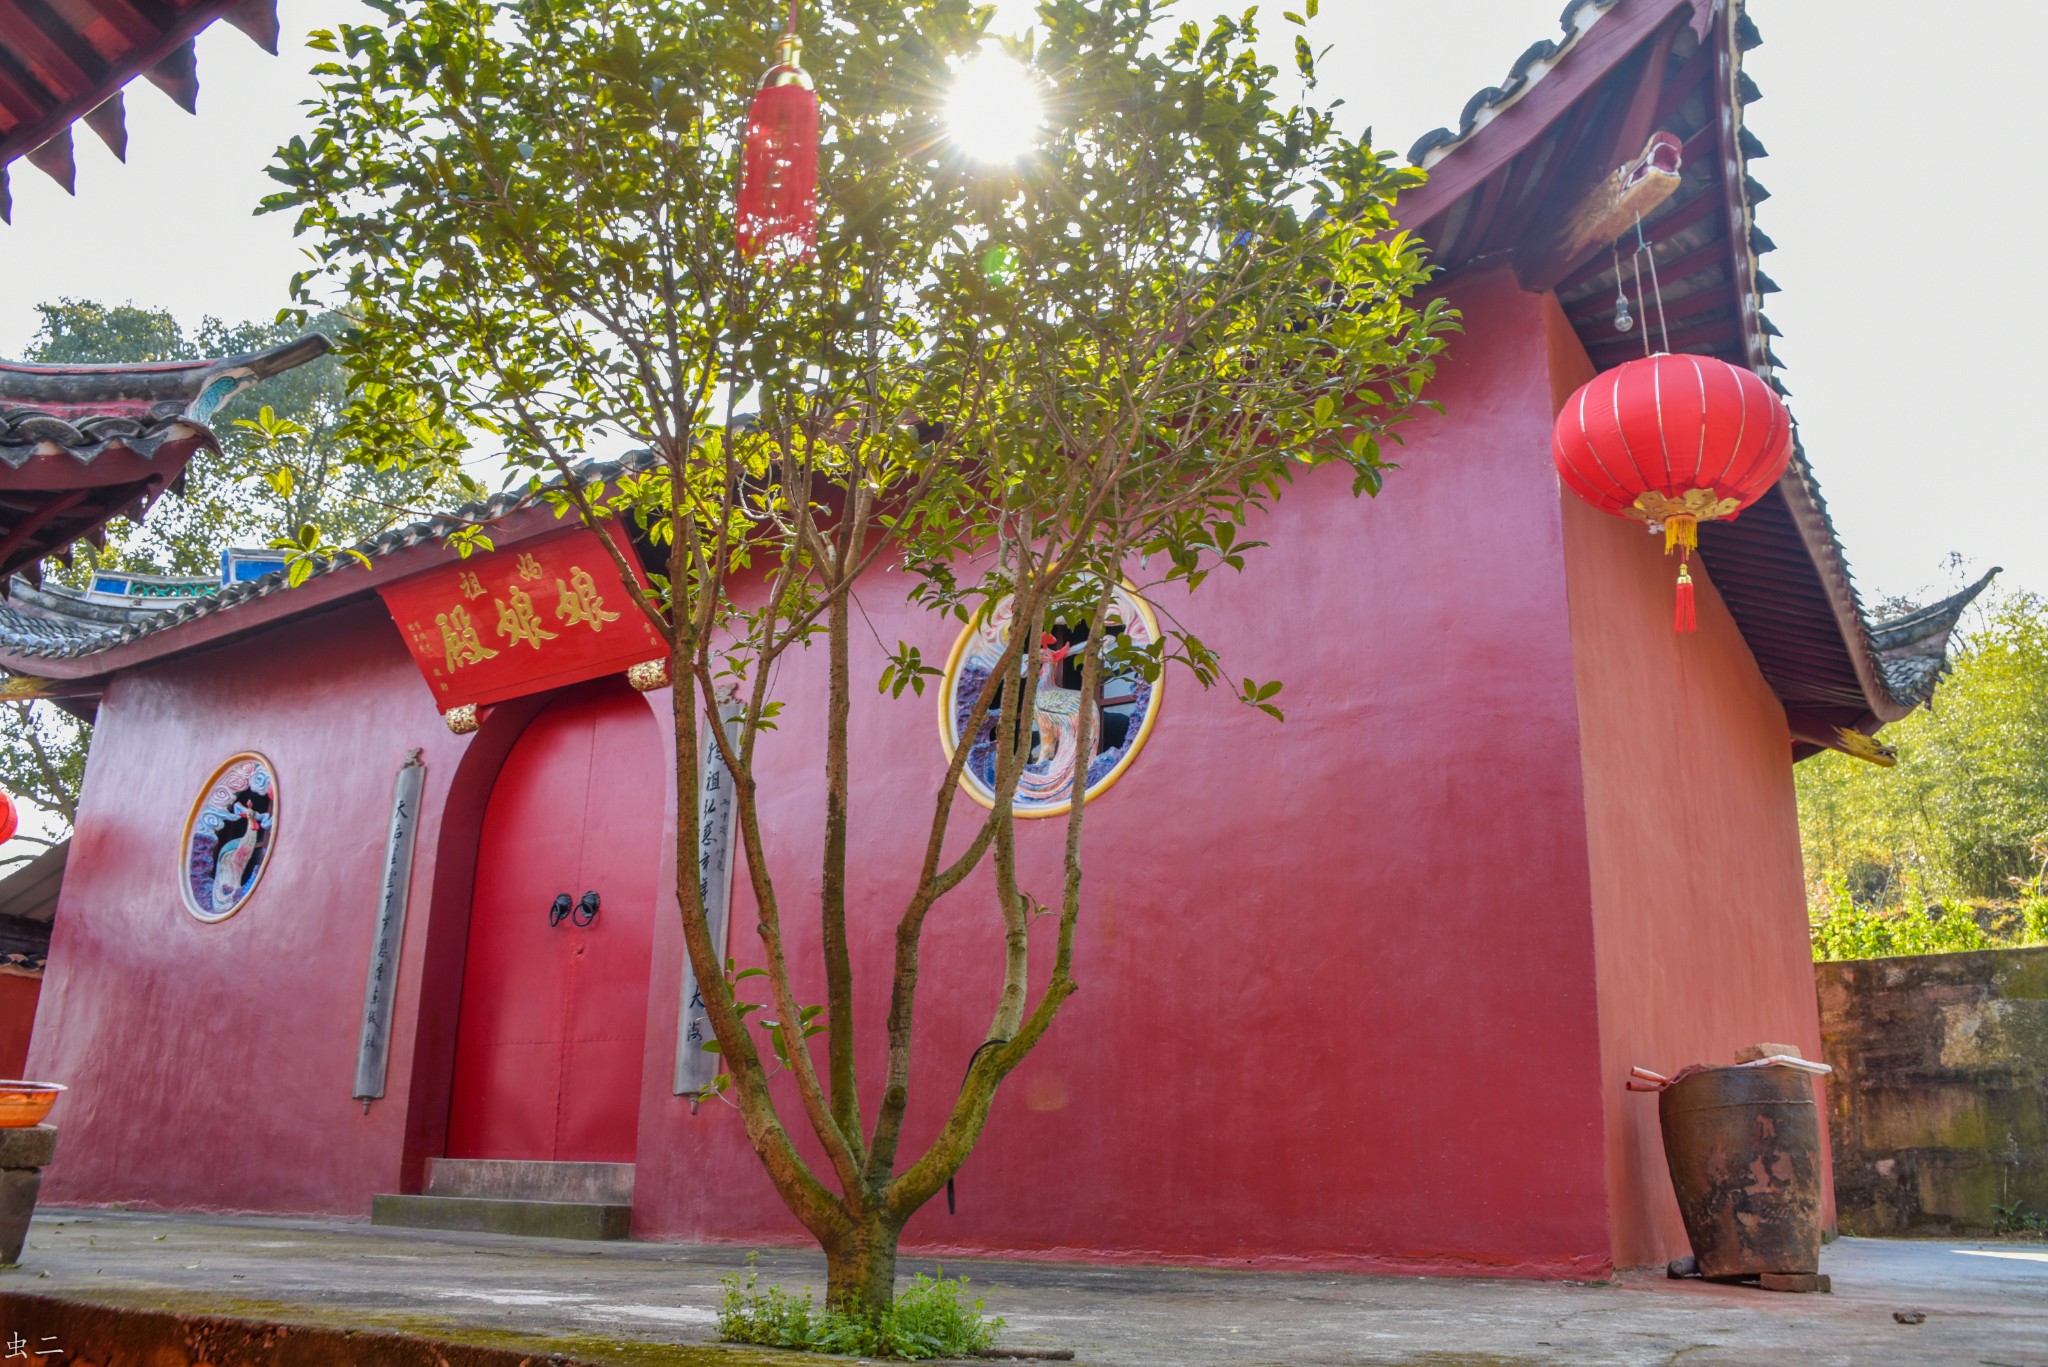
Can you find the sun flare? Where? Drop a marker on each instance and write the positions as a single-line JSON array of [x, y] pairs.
[[994, 112]]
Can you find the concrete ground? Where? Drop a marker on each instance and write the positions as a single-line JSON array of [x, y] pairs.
[[1986, 1304]]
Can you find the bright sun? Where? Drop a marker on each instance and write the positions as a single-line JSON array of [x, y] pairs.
[[994, 112]]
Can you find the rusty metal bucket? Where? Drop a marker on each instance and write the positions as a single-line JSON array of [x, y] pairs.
[[1744, 1149]]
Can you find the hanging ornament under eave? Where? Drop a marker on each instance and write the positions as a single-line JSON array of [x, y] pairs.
[[777, 214], [1673, 441], [10, 818]]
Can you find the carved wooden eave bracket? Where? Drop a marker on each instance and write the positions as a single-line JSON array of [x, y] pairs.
[[1619, 203]]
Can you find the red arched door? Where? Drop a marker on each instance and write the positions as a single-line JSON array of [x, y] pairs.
[[553, 1024]]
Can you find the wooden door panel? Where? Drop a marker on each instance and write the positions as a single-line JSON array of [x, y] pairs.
[[527, 1075], [551, 1035], [601, 1101], [605, 1001]]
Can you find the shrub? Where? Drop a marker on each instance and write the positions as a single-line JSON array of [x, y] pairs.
[[1965, 811], [1843, 928], [931, 1319], [2016, 1220]]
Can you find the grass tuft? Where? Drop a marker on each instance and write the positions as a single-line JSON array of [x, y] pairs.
[[933, 1318]]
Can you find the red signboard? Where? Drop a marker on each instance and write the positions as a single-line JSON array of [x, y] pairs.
[[533, 616]]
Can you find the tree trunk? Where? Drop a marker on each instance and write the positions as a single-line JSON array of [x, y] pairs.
[[860, 1270]]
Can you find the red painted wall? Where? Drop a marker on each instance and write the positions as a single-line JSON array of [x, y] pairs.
[[1341, 1000], [1699, 902], [1336, 975], [210, 1065], [17, 1020]]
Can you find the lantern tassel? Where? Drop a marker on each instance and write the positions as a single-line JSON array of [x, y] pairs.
[[1684, 619], [777, 214], [1681, 531]]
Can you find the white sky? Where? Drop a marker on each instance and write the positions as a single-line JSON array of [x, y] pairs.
[[1904, 319]]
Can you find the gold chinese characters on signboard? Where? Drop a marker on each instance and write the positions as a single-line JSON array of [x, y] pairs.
[[506, 623], [579, 602]]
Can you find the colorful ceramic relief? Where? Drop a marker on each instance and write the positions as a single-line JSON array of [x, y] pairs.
[[228, 837], [1124, 707]]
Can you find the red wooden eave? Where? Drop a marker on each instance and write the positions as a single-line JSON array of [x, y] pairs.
[[66, 60]]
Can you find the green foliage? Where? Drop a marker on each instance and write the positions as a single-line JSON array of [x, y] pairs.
[[1964, 814], [933, 1318], [2018, 1221], [1844, 929]]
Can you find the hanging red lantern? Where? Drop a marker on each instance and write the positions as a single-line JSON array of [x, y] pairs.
[[10, 819], [1673, 441], [778, 200]]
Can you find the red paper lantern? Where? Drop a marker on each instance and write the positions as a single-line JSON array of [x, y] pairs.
[[10, 819], [1673, 441], [778, 199]]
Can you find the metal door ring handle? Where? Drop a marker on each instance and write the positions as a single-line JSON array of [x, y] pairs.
[[586, 910], [560, 910]]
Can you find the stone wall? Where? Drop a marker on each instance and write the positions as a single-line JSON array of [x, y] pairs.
[[1938, 1108]]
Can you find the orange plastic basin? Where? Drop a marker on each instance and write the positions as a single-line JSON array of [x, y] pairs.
[[23, 1104]]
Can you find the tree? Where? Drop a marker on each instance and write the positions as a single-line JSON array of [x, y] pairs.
[[1964, 814], [280, 468], [1020, 384], [42, 760]]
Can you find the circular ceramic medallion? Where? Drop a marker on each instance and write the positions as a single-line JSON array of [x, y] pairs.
[[228, 837], [1125, 706]]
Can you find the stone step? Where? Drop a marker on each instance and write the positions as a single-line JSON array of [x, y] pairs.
[[486, 1215], [517, 1179]]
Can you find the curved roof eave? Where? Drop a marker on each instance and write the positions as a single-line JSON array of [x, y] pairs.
[[1566, 74]]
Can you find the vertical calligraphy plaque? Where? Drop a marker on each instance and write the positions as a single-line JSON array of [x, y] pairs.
[[373, 1050], [715, 810]]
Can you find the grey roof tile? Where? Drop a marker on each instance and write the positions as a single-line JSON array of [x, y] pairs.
[[1578, 16]]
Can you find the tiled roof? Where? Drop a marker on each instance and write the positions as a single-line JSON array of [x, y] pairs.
[[1532, 66], [27, 432], [1912, 650], [83, 444], [84, 410], [55, 631]]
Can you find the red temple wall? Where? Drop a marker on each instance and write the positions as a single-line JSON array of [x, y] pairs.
[[1692, 831], [210, 1065], [1338, 976]]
